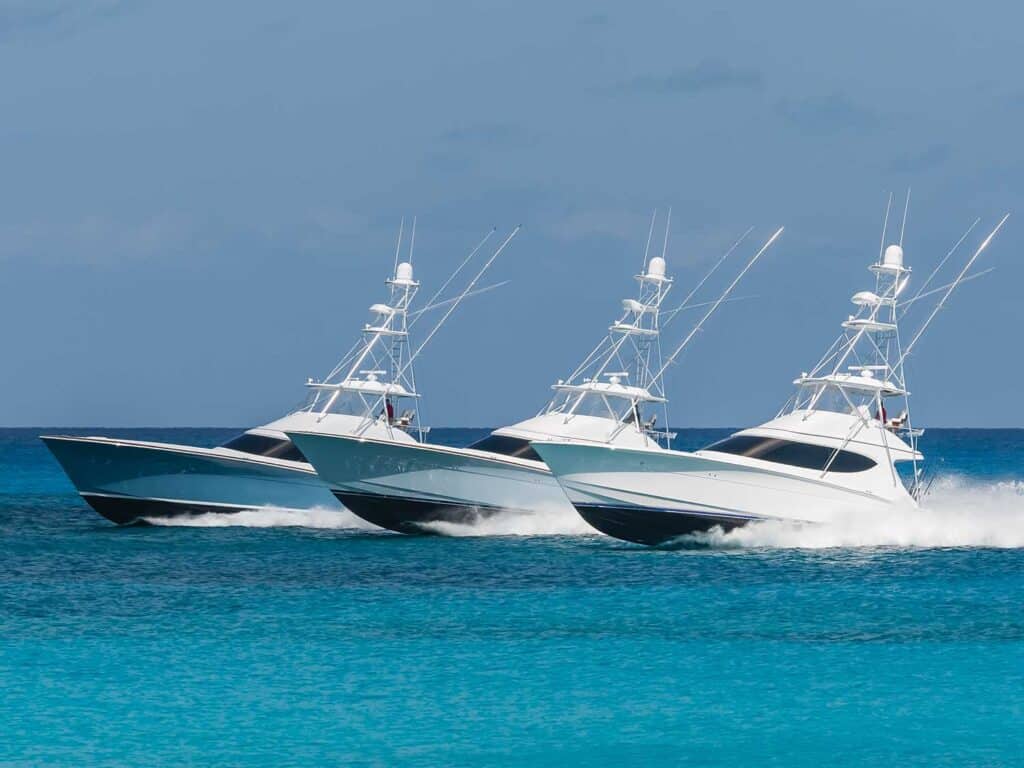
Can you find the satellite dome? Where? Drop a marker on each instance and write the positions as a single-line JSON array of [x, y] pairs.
[[656, 268], [893, 256], [404, 273]]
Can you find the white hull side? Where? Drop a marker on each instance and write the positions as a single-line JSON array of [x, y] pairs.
[[402, 486], [632, 485]]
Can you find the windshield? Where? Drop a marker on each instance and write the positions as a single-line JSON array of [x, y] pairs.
[[349, 403], [596, 404], [850, 402]]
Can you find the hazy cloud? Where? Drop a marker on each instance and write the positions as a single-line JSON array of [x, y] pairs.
[[922, 160], [27, 17], [617, 224], [97, 239], [706, 76], [834, 113], [485, 134]]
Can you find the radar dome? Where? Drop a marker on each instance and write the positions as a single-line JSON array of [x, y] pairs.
[[893, 256], [656, 268], [404, 273]]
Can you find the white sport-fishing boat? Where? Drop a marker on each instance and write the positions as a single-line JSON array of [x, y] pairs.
[[834, 448], [610, 399], [130, 481]]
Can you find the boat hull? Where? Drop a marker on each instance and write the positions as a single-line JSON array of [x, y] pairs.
[[651, 497], [129, 481], [407, 487], [411, 516], [643, 525]]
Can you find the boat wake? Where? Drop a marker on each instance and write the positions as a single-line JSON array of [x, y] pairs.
[[270, 517], [557, 520], [957, 513]]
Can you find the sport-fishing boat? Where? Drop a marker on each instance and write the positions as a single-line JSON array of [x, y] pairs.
[[837, 446], [130, 481], [612, 398]]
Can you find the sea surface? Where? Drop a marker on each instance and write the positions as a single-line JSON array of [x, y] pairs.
[[270, 639]]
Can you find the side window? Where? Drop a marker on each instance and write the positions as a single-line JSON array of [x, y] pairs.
[[261, 445], [290, 452], [506, 446], [792, 453]]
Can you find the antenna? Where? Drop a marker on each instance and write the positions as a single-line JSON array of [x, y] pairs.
[[650, 234], [697, 327], [885, 228], [668, 226], [398, 246], [906, 209], [952, 287], [412, 241]]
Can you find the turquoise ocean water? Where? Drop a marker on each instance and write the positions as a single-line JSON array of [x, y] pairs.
[[283, 640]]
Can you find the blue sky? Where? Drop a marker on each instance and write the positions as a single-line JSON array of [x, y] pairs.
[[198, 201]]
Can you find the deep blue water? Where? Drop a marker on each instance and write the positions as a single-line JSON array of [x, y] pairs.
[[270, 645]]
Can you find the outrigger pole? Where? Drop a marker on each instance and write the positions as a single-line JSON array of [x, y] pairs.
[[454, 274], [477, 292], [952, 287], [458, 300], [942, 263], [717, 303], [673, 312]]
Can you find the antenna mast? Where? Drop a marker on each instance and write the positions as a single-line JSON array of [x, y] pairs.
[[906, 209], [398, 246], [668, 226], [650, 234], [885, 228]]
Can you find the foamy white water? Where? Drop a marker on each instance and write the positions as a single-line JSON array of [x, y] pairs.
[[957, 513], [553, 521], [270, 517]]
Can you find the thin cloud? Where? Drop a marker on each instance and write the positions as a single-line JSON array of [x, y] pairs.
[[100, 240], [32, 17], [619, 225], [707, 76], [488, 134], [835, 113], [926, 159]]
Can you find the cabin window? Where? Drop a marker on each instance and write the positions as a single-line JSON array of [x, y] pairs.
[[262, 445], [506, 446], [792, 453]]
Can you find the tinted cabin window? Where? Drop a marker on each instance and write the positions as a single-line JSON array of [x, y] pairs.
[[261, 445], [506, 446], [792, 453]]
